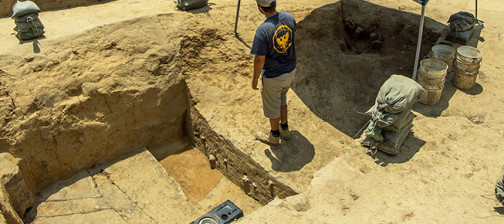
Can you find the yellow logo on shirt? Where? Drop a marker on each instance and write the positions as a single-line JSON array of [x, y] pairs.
[[282, 39]]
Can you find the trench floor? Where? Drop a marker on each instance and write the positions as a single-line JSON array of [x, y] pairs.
[[204, 187], [132, 189], [136, 189]]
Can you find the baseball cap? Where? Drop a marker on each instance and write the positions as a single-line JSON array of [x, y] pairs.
[[265, 3]]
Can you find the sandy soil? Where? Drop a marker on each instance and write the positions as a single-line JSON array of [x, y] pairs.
[[205, 188], [448, 167]]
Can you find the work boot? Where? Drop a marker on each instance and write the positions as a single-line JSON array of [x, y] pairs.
[[285, 133], [267, 138]]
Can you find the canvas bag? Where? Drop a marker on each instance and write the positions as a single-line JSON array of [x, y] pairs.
[[24, 18], [190, 4], [29, 30], [393, 140], [398, 94], [402, 121], [25, 26], [460, 37], [384, 119], [394, 122], [393, 103], [30, 34], [392, 111], [23, 8]]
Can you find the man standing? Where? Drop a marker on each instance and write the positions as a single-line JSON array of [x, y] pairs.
[[275, 62]]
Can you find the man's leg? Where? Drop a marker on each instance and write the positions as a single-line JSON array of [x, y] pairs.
[[270, 93], [283, 114], [275, 124], [274, 96], [284, 129]]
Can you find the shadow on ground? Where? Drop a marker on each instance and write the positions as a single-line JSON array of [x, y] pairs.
[[499, 210], [448, 92], [44, 195], [35, 42], [59, 186], [291, 155], [410, 147], [47, 6], [436, 110], [204, 9]]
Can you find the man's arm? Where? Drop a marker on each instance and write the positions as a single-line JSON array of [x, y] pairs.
[[258, 66]]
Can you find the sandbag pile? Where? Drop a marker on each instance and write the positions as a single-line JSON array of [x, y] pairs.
[[391, 117], [190, 4], [28, 25]]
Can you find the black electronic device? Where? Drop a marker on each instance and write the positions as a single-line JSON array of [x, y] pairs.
[[222, 214]]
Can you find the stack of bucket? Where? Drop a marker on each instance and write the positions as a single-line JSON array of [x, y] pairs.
[[467, 67], [433, 70], [431, 76], [432, 73]]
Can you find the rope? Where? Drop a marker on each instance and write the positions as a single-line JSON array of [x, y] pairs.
[[493, 199], [32, 25], [362, 129]]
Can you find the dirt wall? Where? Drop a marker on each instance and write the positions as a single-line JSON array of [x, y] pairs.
[[238, 167], [6, 5], [95, 97]]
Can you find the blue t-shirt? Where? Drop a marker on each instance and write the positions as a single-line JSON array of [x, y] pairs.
[[275, 39]]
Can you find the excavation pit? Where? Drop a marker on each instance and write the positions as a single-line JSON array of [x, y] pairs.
[[352, 54], [102, 94]]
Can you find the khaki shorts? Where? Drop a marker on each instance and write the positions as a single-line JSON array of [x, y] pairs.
[[274, 93]]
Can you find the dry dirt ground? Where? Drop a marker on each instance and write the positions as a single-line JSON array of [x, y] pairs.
[[102, 69]]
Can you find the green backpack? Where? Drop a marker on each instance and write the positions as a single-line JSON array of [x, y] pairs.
[[461, 27]]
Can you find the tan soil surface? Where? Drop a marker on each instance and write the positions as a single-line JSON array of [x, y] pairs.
[[132, 189], [445, 173], [204, 187]]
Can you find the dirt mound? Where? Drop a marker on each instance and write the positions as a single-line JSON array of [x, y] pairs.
[[100, 93]]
